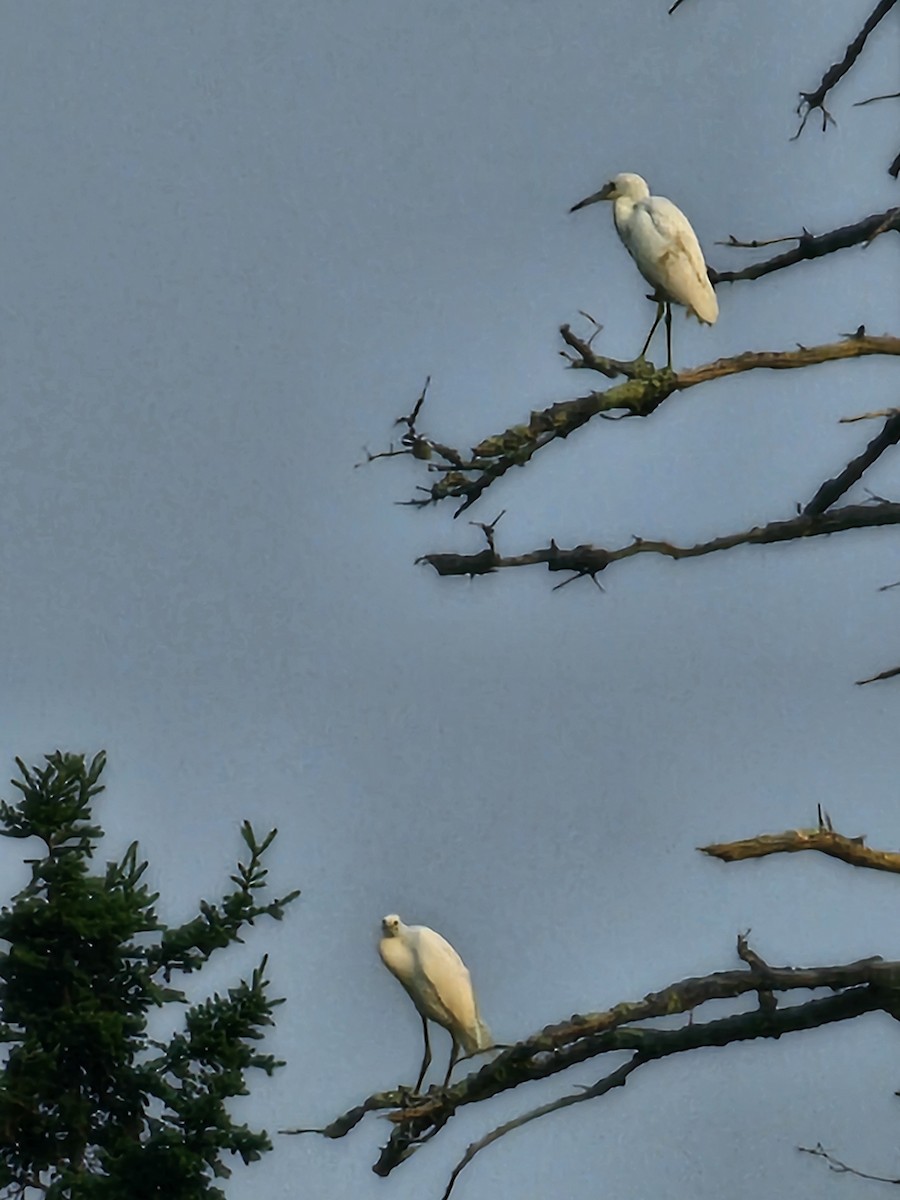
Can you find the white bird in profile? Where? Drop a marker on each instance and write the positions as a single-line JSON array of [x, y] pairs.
[[439, 985], [659, 238]]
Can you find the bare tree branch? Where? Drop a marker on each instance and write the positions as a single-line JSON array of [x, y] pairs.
[[869, 416], [810, 246], [832, 489], [851, 850], [863, 986], [467, 476], [874, 99], [590, 560], [615, 1079], [890, 674], [837, 71], [841, 1168], [735, 244], [834, 74]]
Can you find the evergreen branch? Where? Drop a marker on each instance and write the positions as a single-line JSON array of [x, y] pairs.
[[187, 947]]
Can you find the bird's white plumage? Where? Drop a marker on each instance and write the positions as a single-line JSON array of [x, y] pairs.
[[437, 981], [659, 238]]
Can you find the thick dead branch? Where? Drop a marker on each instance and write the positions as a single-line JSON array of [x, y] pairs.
[[810, 246], [852, 850], [837, 71], [832, 489], [589, 559]]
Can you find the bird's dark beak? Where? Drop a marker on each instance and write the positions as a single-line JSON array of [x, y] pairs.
[[605, 193]]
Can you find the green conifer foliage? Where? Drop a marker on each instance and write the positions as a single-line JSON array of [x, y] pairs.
[[90, 1105]]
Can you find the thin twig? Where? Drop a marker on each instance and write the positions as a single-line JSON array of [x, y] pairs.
[[841, 1168], [868, 416], [891, 674], [735, 243], [613, 1080], [873, 99]]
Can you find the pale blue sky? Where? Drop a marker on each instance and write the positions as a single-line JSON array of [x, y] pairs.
[[237, 238]]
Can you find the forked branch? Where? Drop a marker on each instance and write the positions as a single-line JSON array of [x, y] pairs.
[[836, 72]]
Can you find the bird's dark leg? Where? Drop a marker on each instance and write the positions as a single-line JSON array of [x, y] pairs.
[[669, 334], [426, 1061], [660, 308], [454, 1055]]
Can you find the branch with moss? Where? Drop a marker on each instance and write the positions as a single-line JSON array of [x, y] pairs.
[[466, 476]]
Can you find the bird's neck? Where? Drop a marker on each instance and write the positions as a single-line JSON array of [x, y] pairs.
[[623, 207]]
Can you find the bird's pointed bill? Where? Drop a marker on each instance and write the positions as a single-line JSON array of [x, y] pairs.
[[605, 193]]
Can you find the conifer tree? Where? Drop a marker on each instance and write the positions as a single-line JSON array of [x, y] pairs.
[[92, 1106]]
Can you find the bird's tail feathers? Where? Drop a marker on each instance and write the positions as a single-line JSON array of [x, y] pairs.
[[476, 1038], [483, 1038], [707, 311]]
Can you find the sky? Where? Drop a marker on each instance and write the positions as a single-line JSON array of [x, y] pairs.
[[237, 239]]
